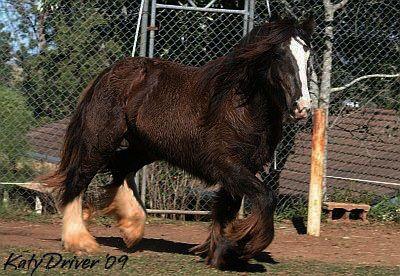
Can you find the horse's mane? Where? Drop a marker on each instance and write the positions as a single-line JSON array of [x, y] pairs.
[[243, 69]]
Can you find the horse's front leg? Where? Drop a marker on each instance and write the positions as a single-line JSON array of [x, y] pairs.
[[243, 238], [224, 211]]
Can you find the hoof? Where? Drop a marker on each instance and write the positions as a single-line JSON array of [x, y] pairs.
[[81, 243], [131, 232], [201, 250], [225, 255]]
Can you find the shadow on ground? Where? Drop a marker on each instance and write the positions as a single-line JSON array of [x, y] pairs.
[[166, 246], [298, 224], [148, 244]]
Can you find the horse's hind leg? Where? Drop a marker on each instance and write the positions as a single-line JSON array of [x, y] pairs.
[[122, 201], [99, 146], [129, 212], [75, 237], [121, 197]]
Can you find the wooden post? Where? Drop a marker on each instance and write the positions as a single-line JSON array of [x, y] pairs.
[[317, 172]]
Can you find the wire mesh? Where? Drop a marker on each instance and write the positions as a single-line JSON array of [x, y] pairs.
[[194, 37], [364, 120], [50, 50]]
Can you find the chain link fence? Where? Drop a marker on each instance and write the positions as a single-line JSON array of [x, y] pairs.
[[50, 50]]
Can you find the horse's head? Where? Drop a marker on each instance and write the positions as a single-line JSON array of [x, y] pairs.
[[288, 70], [270, 61]]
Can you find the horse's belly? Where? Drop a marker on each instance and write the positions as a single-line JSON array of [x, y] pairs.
[[169, 137]]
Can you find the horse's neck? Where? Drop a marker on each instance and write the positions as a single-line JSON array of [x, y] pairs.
[[260, 130], [256, 118], [264, 110]]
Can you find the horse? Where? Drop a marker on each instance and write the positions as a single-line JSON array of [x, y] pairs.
[[220, 122]]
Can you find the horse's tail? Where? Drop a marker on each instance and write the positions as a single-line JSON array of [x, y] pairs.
[[64, 181]]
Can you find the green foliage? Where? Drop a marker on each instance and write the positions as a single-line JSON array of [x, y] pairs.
[[5, 56], [15, 120], [383, 208], [386, 210], [76, 51], [290, 208], [350, 196], [19, 210]]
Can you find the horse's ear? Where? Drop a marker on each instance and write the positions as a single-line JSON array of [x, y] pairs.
[[308, 24]]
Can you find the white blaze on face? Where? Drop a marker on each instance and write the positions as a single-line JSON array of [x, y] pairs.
[[301, 56]]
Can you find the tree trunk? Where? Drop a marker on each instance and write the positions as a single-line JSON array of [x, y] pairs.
[[326, 76], [41, 31], [325, 89]]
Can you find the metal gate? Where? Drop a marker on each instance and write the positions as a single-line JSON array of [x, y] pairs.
[[194, 35]]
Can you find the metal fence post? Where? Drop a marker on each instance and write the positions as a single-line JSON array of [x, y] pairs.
[[251, 14], [246, 17], [143, 31], [6, 199], [38, 205], [152, 27], [143, 185], [137, 180]]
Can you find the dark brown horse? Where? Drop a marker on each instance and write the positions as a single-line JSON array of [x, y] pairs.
[[220, 122]]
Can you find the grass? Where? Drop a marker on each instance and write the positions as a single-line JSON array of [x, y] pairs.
[[151, 263], [24, 213]]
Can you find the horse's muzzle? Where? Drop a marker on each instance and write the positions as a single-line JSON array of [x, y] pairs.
[[300, 113], [301, 110]]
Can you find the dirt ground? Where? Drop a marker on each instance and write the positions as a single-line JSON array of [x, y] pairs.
[[370, 244]]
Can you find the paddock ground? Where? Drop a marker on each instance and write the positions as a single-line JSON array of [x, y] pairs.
[[342, 249]]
